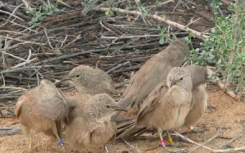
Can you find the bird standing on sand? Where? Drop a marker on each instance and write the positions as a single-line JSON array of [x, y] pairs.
[[198, 102], [167, 106], [42, 109], [91, 122], [153, 72], [91, 81], [199, 95]]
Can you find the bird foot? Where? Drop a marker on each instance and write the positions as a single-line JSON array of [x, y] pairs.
[[30, 150], [106, 149], [196, 130], [173, 144], [62, 145]]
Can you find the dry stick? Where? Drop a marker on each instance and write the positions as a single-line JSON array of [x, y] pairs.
[[28, 6], [48, 40], [182, 27], [5, 12], [135, 148], [10, 15], [207, 141], [118, 66], [8, 131], [221, 85], [232, 140], [208, 148]]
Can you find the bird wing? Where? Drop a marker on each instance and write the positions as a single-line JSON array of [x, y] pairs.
[[199, 96], [152, 101], [153, 72], [52, 108], [19, 104], [199, 102]]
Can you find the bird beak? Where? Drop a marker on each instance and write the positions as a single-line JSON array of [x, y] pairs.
[[65, 79], [172, 82], [119, 108]]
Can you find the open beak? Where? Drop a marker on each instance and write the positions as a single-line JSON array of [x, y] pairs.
[[119, 108]]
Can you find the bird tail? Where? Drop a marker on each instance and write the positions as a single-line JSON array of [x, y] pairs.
[[129, 130]]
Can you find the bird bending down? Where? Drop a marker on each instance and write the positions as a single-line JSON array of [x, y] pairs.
[[199, 95], [91, 122], [167, 106], [42, 109], [92, 81], [153, 72]]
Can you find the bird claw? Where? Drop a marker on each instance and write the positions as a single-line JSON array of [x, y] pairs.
[[196, 130]]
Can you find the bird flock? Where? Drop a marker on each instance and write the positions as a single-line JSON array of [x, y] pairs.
[[168, 96]]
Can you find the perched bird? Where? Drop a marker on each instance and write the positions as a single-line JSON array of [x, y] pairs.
[[42, 109], [153, 72], [199, 95], [91, 81], [91, 123], [167, 106]]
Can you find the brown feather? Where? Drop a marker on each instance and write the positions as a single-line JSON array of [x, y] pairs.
[[153, 72]]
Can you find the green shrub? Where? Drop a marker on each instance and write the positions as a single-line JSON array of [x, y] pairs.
[[226, 46]]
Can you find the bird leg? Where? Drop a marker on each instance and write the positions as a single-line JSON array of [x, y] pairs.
[[160, 135], [162, 141], [196, 130], [170, 140], [106, 149], [30, 149], [61, 143]]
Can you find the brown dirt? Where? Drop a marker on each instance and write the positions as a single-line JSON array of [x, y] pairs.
[[223, 112]]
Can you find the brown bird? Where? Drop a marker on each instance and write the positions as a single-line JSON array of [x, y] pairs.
[[167, 106], [198, 102], [91, 123], [199, 95], [42, 109], [153, 72], [91, 81]]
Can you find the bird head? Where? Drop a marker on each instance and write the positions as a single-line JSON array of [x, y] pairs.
[[115, 107], [179, 76]]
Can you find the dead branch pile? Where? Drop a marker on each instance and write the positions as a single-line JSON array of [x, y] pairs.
[[118, 43]]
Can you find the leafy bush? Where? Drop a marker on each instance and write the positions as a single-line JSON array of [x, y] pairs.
[[226, 46]]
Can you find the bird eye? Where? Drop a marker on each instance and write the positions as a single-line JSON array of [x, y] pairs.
[[77, 76], [181, 78], [107, 106]]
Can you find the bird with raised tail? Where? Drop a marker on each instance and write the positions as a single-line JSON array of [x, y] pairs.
[[42, 109]]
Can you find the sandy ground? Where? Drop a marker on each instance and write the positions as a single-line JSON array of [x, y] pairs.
[[223, 112]]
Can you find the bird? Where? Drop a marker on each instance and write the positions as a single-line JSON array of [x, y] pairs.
[[91, 121], [91, 81], [42, 109], [167, 106], [199, 94], [153, 72], [198, 103]]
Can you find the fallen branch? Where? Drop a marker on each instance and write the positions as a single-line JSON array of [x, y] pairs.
[[135, 148], [221, 85], [169, 22], [232, 140], [8, 131], [208, 148], [207, 141]]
